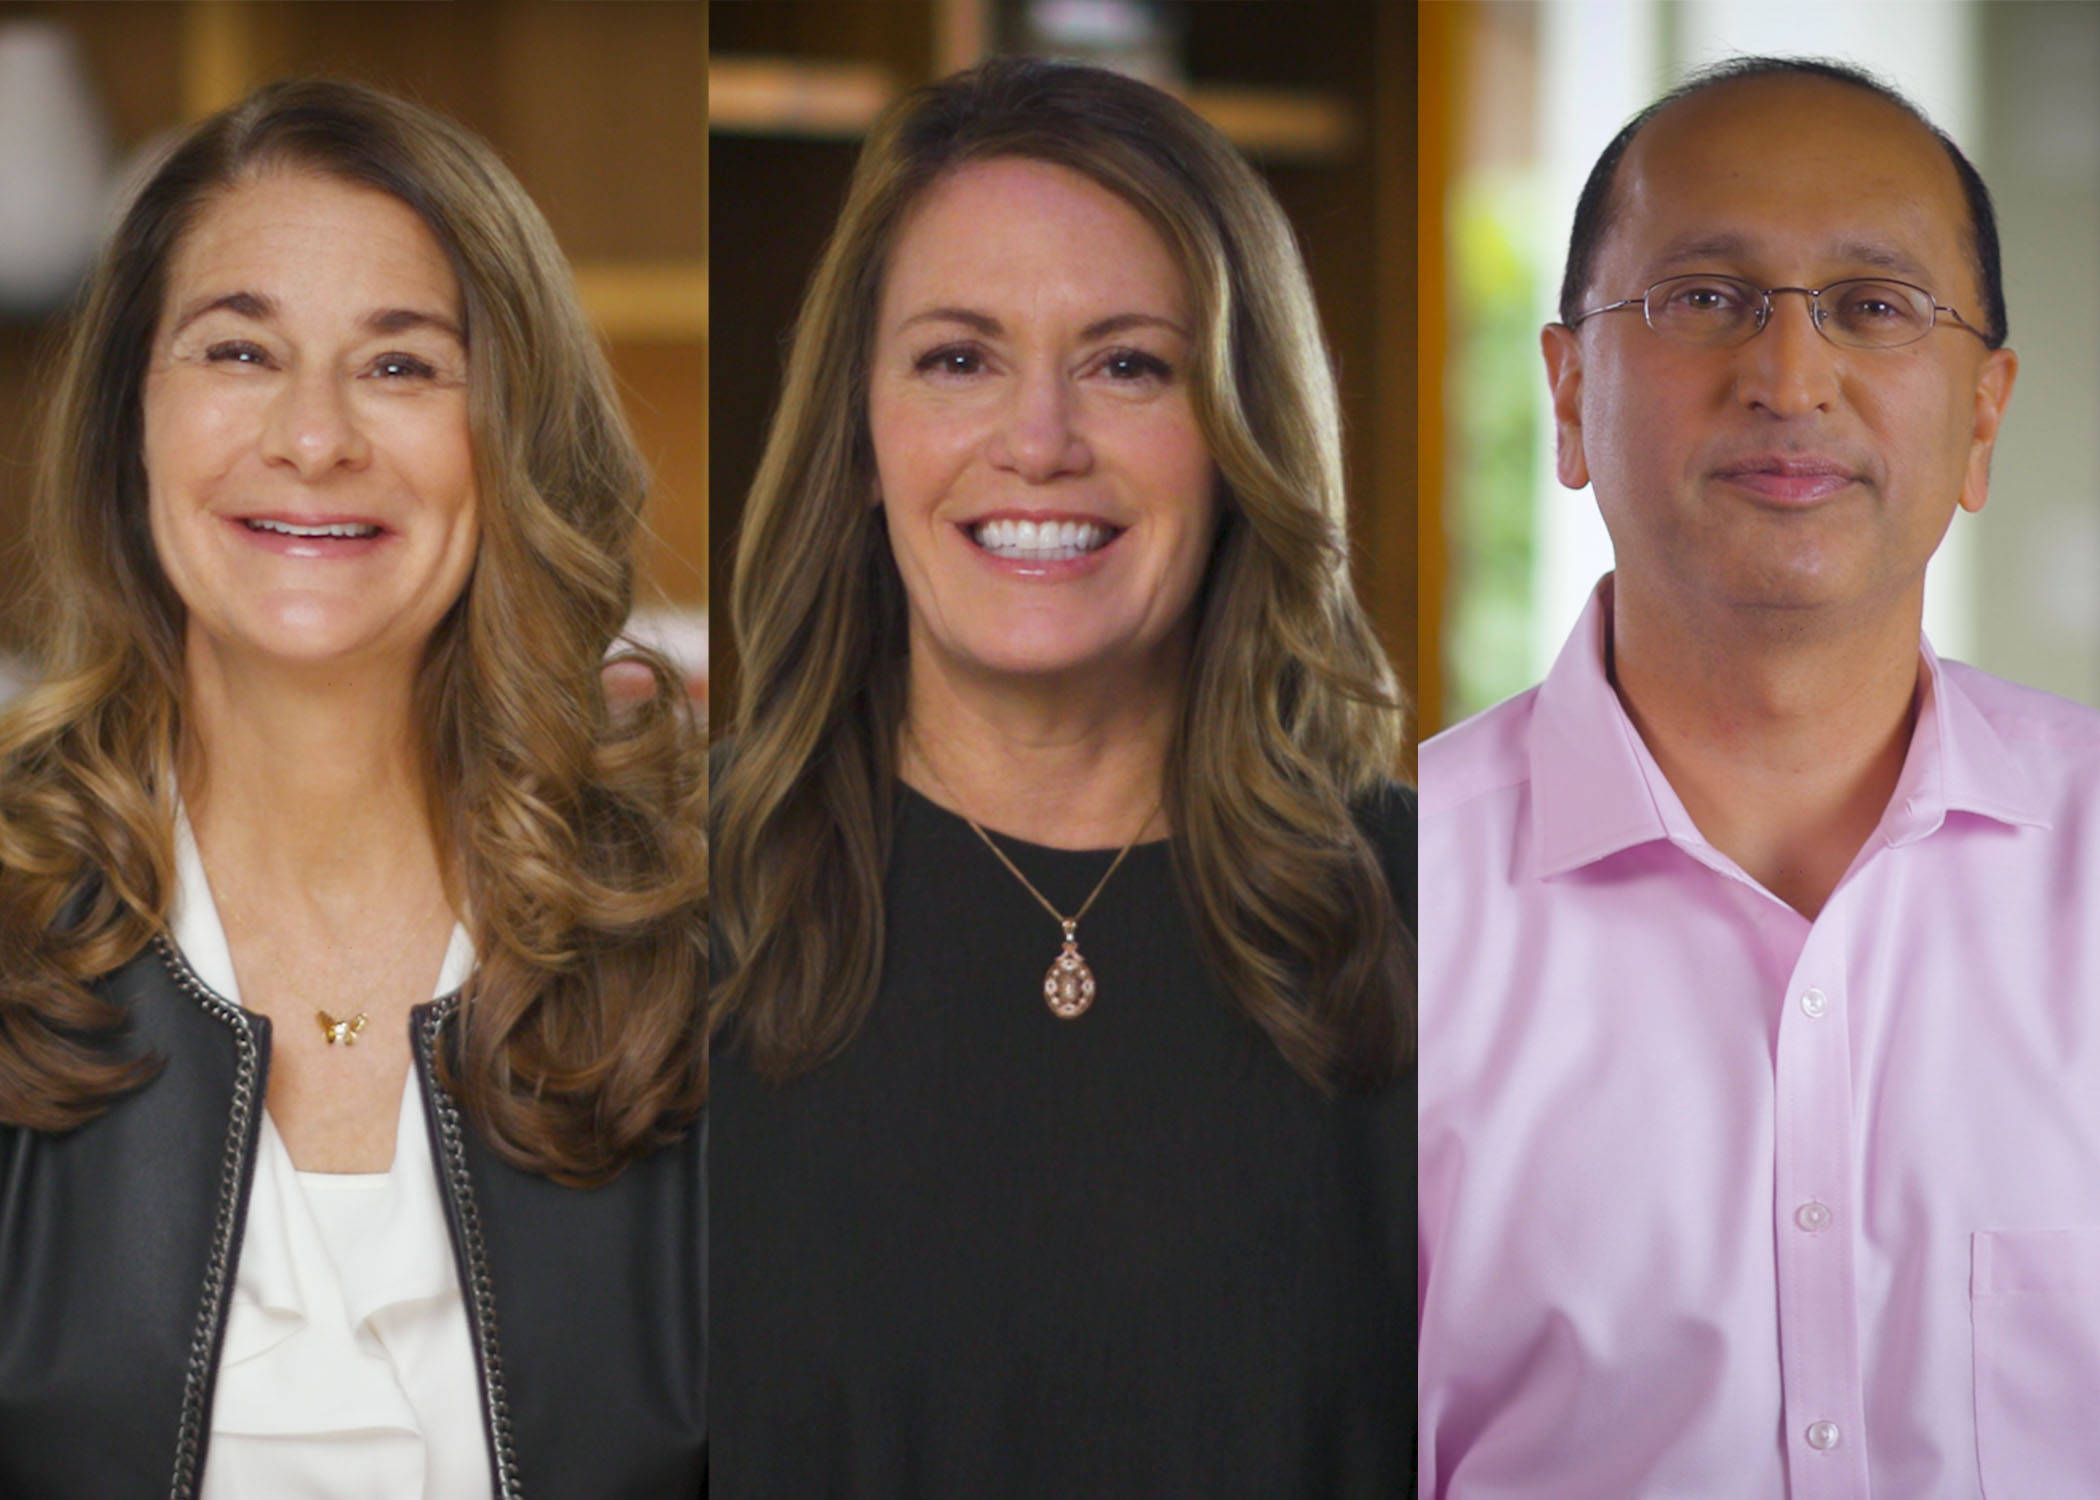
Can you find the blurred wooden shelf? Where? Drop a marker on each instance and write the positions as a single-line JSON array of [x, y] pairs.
[[1302, 125], [787, 96], [645, 301], [795, 96]]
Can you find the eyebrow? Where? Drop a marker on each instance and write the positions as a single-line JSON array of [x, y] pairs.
[[991, 327], [1737, 247], [253, 305], [402, 319], [262, 308]]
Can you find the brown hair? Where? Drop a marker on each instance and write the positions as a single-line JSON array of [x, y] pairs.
[[1289, 715], [577, 833]]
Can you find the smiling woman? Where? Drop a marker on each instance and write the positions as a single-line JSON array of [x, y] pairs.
[[1062, 1136], [311, 334], [347, 934], [1029, 392]]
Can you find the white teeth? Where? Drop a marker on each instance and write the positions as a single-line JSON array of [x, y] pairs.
[[336, 529], [1044, 541]]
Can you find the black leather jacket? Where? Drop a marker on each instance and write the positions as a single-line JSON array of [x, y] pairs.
[[118, 1244]]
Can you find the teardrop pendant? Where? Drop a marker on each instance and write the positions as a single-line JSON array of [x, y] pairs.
[[1069, 986]]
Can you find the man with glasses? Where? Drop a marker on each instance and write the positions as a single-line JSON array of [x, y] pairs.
[[1760, 1000]]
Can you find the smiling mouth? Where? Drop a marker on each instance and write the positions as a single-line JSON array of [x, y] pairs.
[[1790, 485], [1041, 541], [349, 530]]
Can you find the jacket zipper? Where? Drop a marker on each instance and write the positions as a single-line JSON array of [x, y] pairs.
[[449, 1136]]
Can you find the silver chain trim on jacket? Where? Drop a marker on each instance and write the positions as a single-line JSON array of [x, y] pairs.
[[218, 1272], [480, 1292], [199, 1370]]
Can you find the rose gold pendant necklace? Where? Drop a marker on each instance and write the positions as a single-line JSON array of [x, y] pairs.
[[1069, 987]]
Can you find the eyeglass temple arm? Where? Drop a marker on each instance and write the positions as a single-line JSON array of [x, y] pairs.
[[1583, 317], [1960, 321]]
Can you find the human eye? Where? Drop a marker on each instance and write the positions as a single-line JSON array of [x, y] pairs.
[[1704, 297], [236, 352], [1135, 367], [1876, 302], [954, 360], [402, 367]]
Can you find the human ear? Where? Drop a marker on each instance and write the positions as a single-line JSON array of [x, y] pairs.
[[1994, 384], [1563, 351]]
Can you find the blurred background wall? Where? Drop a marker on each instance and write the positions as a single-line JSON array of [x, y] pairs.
[[1519, 96], [600, 109], [1318, 93]]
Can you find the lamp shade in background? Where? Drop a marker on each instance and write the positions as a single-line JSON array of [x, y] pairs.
[[54, 164]]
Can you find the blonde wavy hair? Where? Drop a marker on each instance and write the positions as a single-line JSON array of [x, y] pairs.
[[1290, 714], [576, 833]]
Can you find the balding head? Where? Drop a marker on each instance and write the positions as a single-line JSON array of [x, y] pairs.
[[1762, 86]]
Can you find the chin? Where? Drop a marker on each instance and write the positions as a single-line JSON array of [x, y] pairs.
[[1020, 656], [1009, 662], [1791, 588], [309, 632], [1040, 643]]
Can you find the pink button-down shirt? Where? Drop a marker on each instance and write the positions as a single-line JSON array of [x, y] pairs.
[[1720, 1202]]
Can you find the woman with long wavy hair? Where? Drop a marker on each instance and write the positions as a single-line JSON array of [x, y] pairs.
[[351, 944], [1062, 1010]]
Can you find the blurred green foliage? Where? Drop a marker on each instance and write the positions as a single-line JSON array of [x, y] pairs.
[[1493, 405]]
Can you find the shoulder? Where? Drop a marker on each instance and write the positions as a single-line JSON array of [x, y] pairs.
[[1386, 814], [1487, 753], [2028, 716], [2042, 750], [1387, 817]]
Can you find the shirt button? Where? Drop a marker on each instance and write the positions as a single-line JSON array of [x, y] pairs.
[[1822, 1436], [1815, 1218], [1815, 1002]]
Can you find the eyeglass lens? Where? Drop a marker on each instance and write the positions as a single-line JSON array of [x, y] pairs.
[[1715, 310]]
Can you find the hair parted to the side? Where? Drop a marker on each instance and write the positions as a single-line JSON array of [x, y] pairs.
[[1593, 209], [577, 834], [1290, 711]]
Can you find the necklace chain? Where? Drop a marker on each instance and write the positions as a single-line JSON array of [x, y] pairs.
[[338, 1030], [1069, 987], [1055, 915], [1041, 900]]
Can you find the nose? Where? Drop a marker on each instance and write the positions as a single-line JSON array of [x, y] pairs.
[[313, 425], [1788, 368], [1037, 438]]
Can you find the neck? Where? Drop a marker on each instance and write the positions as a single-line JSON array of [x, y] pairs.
[[1783, 733], [306, 784], [1067, 763]]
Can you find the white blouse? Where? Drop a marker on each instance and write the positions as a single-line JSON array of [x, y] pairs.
[[348, 1371]]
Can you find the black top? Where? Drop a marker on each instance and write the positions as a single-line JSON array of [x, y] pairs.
[[989, 1253]]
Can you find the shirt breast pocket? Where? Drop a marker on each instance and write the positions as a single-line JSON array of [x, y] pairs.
[[2034, 1304]]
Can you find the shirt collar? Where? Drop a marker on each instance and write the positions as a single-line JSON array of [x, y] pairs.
[[1957, 763], [1596, 789], [193, 917]]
